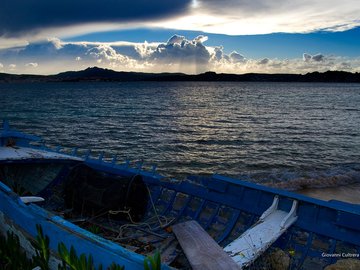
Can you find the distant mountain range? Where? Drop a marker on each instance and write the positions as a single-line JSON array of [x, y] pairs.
[[107, 75]]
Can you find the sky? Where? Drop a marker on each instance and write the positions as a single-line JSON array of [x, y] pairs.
[[189, 36]]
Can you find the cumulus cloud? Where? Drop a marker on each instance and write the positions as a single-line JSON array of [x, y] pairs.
[[317, 57], [179, 49], [264, 61], [104, 52], [33, 65], [175, 39], [177, 54], [200, 39], [218, 53], [12, 67], [18, 17], [306, 57], [237, 57], [1, 66]]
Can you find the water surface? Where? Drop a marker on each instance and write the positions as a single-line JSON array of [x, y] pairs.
[[289, 134]]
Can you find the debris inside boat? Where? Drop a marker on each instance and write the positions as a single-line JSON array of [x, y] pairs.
[[120, 213]]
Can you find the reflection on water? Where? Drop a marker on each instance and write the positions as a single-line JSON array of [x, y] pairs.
[[263, 132], [349, 193]]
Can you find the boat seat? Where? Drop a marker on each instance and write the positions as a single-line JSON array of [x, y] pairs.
[[200, 249], [31, 199], [253, 242]]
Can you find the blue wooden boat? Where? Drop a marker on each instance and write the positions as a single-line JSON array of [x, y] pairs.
[[137, 211]]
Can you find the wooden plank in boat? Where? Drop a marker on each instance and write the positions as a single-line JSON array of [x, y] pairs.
[[201, 250]]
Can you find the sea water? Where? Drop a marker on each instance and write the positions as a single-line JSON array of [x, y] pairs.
[[289, 135]]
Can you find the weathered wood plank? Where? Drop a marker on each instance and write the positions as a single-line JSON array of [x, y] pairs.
[[201, 250]]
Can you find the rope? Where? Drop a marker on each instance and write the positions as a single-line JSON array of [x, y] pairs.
[[148, 223], [154, 208]]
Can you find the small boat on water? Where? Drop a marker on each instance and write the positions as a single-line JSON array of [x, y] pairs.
[[119, 213]]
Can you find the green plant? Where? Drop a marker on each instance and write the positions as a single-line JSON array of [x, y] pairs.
[[12, 257], [41, 245], [94, 229], [72, 260], [153, 262], [115, 266]]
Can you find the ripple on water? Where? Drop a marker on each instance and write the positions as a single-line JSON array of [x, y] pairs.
[[249, 130]]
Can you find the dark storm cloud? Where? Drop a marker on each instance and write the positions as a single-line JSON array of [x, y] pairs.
[[19, 16]]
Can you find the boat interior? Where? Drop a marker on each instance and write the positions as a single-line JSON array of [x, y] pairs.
[[137, 209]]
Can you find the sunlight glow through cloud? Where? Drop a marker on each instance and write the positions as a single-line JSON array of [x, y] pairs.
[[234, 17], [195, 4], [231, 17]]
